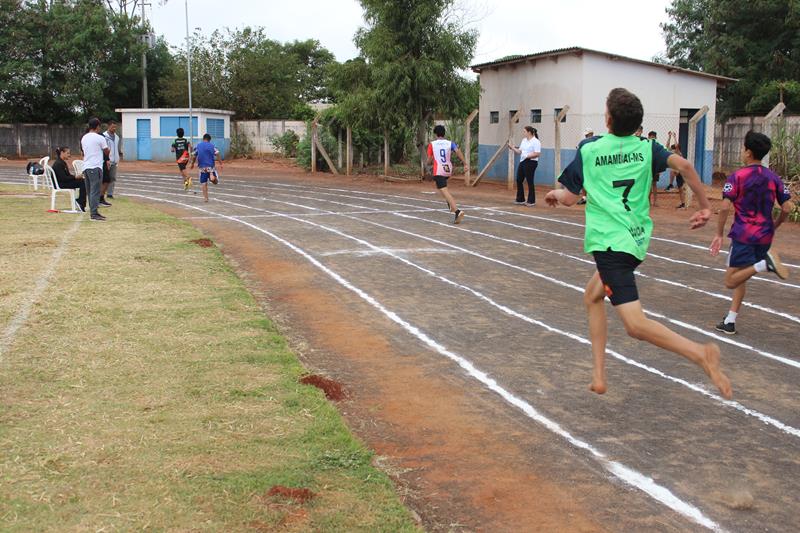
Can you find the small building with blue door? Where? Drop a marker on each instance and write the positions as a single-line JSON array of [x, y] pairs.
[[540, 85], [148, 134]]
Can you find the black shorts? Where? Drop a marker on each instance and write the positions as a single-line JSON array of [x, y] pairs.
[[106, 174], [616, 273], [441, 181], [679, 180], [182, 166]]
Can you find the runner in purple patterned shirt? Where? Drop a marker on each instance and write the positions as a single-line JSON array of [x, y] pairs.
[[753, 190]]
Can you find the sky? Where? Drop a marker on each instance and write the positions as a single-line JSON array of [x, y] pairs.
[[506, 27]]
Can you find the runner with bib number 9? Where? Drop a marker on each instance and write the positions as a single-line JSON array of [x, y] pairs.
[[616, 171], [439, 154]]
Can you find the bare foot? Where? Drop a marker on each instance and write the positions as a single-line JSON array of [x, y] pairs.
[[598, 386], [711, 367]]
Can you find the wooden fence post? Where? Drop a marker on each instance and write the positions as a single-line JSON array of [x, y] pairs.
[[557, 135], [769, 118], [314, 144], [468, 145], [339, 145], [511, 121], [385, 153], [349, 151]]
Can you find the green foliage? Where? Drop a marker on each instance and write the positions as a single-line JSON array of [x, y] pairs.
[[286, 143], [758, 43], [784, 156], [257, 77], [63, 61], [241, 147]]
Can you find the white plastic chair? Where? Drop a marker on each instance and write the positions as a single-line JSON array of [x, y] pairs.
[[50, 179], [77, 165], [33, 179]]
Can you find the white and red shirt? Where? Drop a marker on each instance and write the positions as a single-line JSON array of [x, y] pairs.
[[440, 150]]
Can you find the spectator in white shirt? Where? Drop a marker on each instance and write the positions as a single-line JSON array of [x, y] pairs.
[[114, 157], [529, 150], [94, 146]]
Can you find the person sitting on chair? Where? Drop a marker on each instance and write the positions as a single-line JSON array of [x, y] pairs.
[[65, 179]]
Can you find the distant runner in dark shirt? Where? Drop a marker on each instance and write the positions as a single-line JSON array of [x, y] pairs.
[[183, 149]]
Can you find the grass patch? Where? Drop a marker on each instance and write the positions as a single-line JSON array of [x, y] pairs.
[[148, 390]]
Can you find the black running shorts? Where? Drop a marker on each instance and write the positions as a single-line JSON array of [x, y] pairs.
[[182, 166], [616, 273], [441, 181]]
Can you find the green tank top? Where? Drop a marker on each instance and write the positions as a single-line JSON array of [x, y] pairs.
[[616, 173]]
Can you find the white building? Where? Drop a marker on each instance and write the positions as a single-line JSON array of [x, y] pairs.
[[540, 85], [147, 134]]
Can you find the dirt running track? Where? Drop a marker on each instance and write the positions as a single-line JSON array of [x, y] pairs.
[[461, 349]]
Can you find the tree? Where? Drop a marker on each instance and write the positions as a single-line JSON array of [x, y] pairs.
[[66, 60], [758, 43], [414, 50], [253, 75]]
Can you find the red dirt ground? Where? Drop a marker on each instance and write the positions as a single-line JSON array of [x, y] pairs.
[[299, 495], [203, 243], [332, 389]]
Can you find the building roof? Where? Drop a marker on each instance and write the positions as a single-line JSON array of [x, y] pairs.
[[576, 50], [174, 110]]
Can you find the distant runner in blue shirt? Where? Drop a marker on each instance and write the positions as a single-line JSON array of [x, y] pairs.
[[205, 155]]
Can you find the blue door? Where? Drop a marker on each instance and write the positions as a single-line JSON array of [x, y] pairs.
[[700, 147], [144, 149]]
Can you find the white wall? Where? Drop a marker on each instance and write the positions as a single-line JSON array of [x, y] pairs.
[[544, 84], [662, 93]]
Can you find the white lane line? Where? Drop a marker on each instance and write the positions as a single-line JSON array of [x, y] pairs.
[[524, 244], [720, 338], [388, 251], [527, 228], [697, 388], [618, 470], [42, 282]]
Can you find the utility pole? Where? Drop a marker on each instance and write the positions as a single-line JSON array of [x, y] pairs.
[[189, 71], [144, 60]]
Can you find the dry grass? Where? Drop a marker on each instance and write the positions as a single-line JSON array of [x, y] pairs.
[[148, 391]]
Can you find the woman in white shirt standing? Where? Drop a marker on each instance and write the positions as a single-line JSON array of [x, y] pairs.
[[529, 150]]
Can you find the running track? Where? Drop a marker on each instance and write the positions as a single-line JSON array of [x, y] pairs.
[[499, 298]]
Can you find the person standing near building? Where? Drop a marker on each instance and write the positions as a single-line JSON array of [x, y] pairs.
[[616, 170], [529, 150], [114, 157], [94, 147], [440, 156], [753, 190], [182, 148], [206, 155]]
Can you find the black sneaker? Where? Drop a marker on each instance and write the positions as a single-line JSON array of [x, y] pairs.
[[668, 187], [682, 206], [110, 196], [459, 216], [104, 203], [530, 204], [729, 328], [582, 201], [519, 203], [98, 217], [774, 265]]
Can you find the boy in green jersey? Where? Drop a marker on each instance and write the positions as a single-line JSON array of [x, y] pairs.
[[616, 171]]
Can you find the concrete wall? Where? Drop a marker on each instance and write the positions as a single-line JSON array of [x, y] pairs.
[[38, 140], [259, 132]]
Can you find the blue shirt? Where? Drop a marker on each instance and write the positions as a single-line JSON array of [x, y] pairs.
[[205, 154]]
